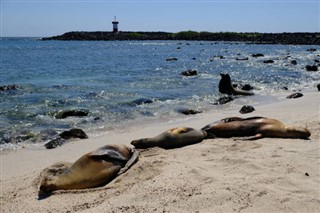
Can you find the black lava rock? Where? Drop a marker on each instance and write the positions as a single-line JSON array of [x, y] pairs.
[[247, 87], [189, 73], [141, 101], [311, 68], [73, 133], [318, 86], [223, 100], [257, 55], [312, 49], [189, 111], [246, 109], [171, 59], [219, 56], [268, 61], [295, 95], [294, 62], [242, 59], [55, 143], [9, 87], [73, 112]]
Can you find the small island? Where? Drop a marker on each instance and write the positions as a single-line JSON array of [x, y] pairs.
[[255, 38]]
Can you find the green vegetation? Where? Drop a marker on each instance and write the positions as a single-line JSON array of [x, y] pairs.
[[135, 35], [186, 35]]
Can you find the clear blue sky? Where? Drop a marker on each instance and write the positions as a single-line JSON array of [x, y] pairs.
[[55, 17]]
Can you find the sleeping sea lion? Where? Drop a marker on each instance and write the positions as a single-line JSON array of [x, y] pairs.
[[258, 127], [91, 170], [173, 138], [225, 86]]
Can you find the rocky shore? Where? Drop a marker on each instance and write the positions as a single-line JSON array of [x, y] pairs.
[[255, 38]]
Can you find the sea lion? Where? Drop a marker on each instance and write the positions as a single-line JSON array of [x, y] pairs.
[[258, 127], [172, 138], [225, 86], [91, 170]]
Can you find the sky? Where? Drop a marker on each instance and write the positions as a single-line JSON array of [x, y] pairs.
[[24, 18]]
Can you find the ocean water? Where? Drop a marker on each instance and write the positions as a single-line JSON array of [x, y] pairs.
[[108, 78]]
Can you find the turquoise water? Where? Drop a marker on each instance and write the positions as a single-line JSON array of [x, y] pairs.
[[106, 77]]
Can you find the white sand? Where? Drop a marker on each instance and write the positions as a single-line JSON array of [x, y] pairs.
[[216, 175]]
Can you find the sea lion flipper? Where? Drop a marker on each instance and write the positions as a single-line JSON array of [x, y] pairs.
[[107, 154], [210, 135], [256, 137], [130, 162]]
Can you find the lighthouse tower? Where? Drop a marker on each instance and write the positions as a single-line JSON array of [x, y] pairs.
[[115, 25]]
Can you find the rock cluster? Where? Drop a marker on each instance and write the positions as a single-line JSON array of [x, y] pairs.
[[257, 38]]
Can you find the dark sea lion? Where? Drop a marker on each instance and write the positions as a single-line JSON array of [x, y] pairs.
[[258, 127], [91, 170], [225, 86], [173, 138]]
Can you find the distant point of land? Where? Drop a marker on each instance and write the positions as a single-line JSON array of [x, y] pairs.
[[256, 38]]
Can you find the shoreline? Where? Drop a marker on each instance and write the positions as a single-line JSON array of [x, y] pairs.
[[298, 38], [236, 104], [214, 175], [104, 130]]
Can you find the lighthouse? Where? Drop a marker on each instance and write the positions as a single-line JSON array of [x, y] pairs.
[[115, 25]]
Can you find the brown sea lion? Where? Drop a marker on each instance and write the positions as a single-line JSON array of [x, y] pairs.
[[91, 170], [258, 127], [225, 86], [173, 138]]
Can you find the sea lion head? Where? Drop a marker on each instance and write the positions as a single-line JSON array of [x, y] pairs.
[[298, 132], [142, 143], [225, 76], [49, 184], [51, 176]]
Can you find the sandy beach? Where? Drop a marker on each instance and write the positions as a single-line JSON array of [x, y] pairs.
[[216, 175]]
